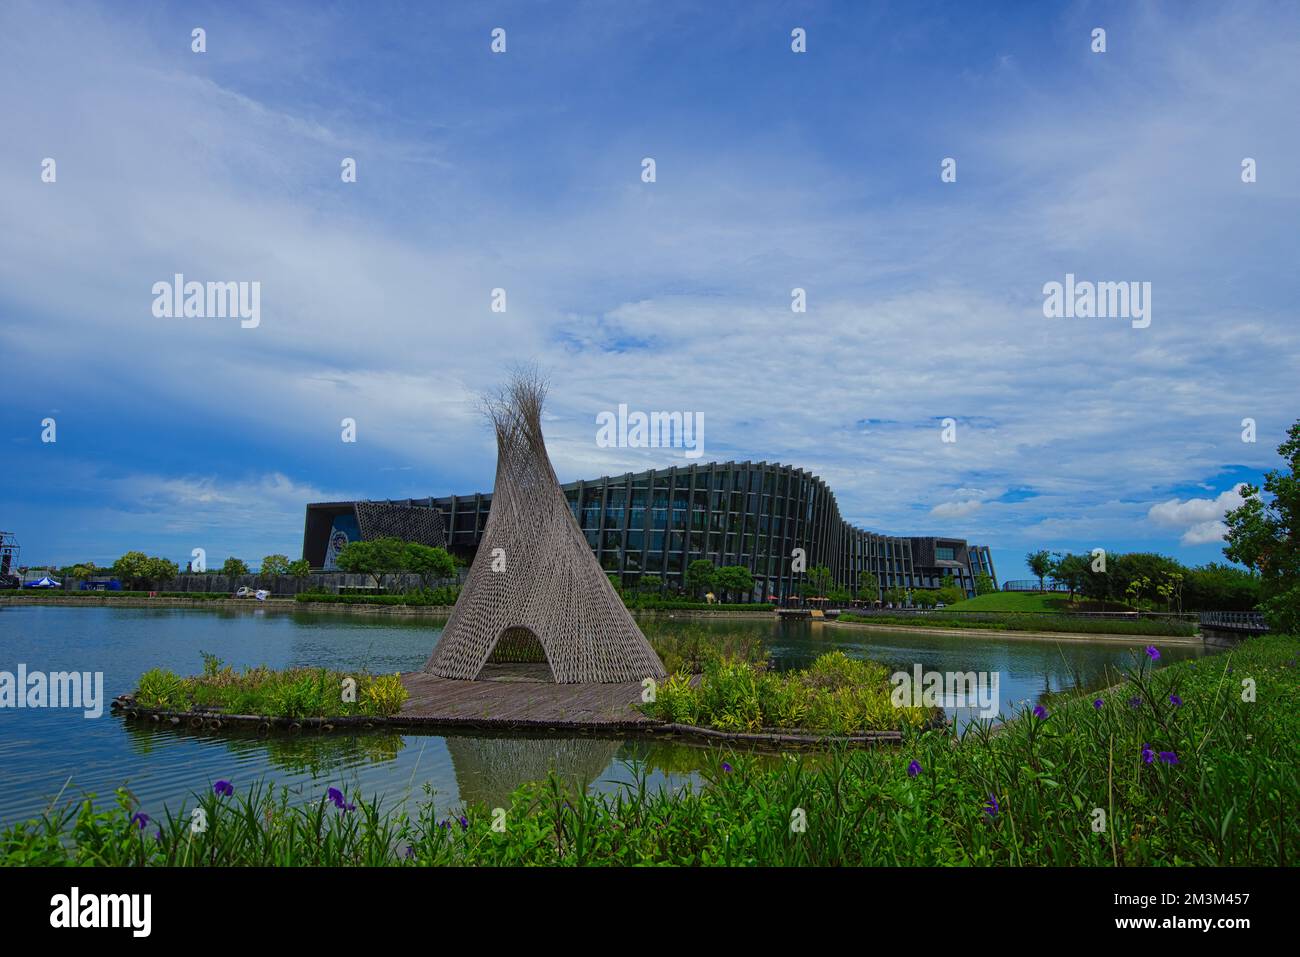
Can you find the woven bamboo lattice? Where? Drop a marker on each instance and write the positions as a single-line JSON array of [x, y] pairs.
[[534, 571]]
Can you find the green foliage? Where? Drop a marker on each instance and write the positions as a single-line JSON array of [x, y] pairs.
[[868, 586], [735, 580], [234, 567], [1040, 563], [1265, 536], [290, 693], [300, 568], [376, 557], [984, 584], [837, 695], [691, 648], [950, 594], [274, 565], [819, 582], [430, 563], [700, 577], [1227, 802]]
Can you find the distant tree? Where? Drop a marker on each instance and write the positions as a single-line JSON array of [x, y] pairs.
[[701, 577], [819, 581], [1071, 571], [299, 569], [949, 594], [650, 584], [1216, 587], [868, 587], [274, 565], [234, 567], [1040, 563], [735, 580], [1265, 537], [895, 595], [375, 558], [429, 562], [132, 569], [161, 569], [839, 596], [924, 597], [984, 584]]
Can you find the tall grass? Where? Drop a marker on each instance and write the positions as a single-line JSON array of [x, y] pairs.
[[288, 693]]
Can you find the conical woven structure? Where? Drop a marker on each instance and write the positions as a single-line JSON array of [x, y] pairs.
[[534, 577]]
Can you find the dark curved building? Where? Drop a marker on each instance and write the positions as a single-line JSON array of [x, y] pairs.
[[659, 521]]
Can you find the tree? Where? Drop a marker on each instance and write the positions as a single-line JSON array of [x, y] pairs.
[[868, 586], [161, 569], [1071, 571], [924, 597], [1040, 563], [1265, 537], [299, 569], [895, 595], [735, 579], [701, 577], [429, 562], [132, 569], [984, 584], [819, 581], [949, 594], [274, 565], [650, 584], [376, 558], [234, 567]]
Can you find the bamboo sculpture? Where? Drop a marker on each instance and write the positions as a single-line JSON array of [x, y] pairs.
[[534, 577]]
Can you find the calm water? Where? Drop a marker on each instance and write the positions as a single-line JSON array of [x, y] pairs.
[[45, 751]]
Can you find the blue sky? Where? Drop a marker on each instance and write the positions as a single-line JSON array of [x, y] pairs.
[[521, 170]]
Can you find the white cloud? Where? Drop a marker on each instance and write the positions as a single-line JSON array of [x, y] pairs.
[[956, 509], [1201, 519]]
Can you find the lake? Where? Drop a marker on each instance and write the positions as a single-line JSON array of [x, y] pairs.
[[48, 751]]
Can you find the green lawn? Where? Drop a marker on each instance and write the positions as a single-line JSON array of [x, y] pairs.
[[1019, 601]]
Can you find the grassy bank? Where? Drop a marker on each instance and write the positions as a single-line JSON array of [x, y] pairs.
[[1208, 781], [1152, 627], [291, 693]]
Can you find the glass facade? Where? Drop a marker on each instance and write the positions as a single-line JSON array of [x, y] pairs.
[[752, 514]]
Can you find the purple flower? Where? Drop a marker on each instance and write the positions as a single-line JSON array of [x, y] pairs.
[[1098, 703], [223, 789], [1168, 757], [159, 837], [726, 768], [991, 806], [914, 769], [1040, 712], [140, 819], [1176, 701], [335, 795], [1147, 754], [464, 823], [1152, 653], [410, 852], [446, 824], [1135, 702]]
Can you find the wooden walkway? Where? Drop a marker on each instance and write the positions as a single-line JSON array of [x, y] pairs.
[[520, 696]]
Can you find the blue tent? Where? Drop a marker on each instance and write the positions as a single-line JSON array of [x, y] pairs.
[[46, 582]]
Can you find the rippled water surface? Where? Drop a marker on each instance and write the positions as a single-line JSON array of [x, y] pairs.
[[45, 751]]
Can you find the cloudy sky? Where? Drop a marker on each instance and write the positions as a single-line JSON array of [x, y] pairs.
[[523, 171]]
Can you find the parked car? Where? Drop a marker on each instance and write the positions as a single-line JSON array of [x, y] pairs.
[[245, 592]]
